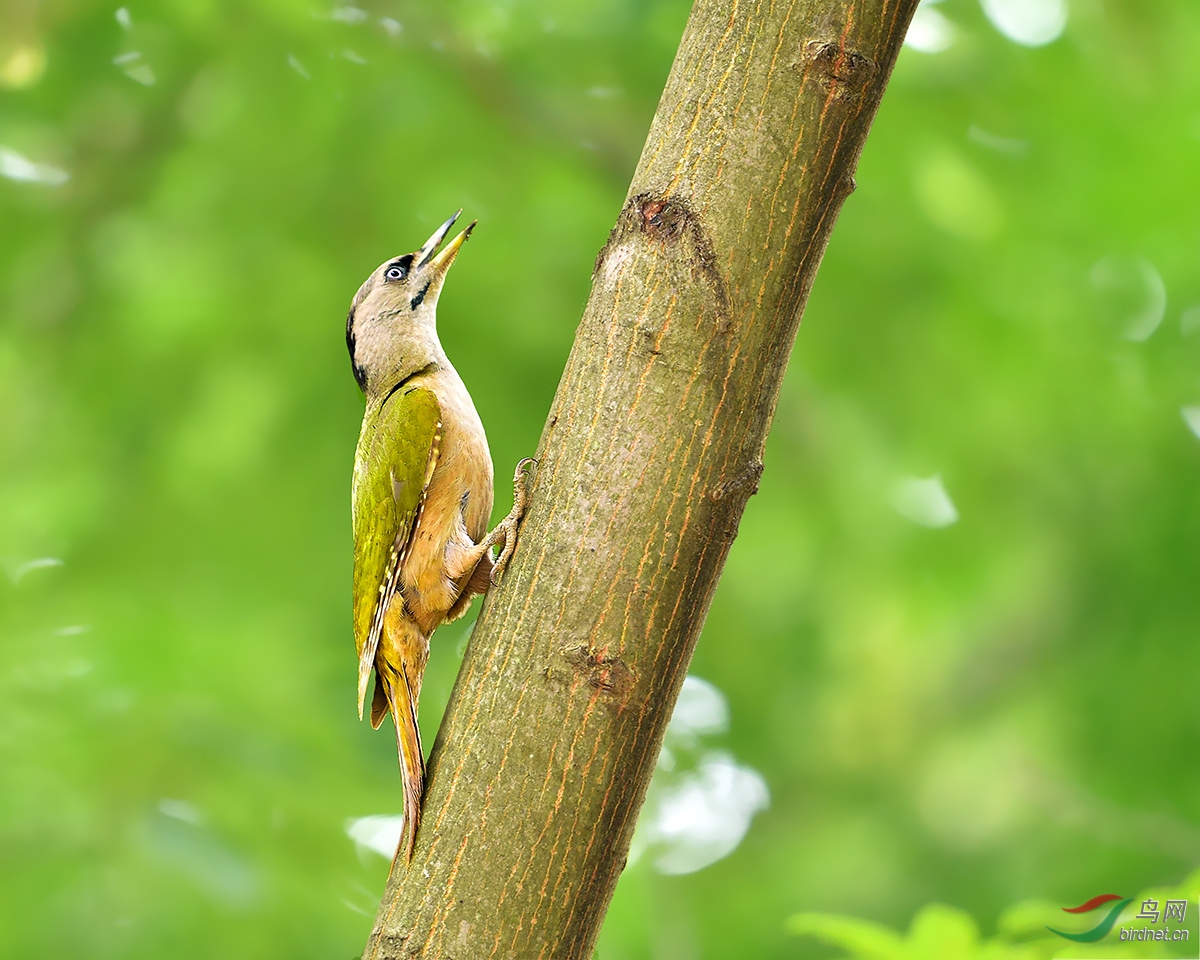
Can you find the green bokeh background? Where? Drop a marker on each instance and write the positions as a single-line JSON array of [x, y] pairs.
[[998, 709]]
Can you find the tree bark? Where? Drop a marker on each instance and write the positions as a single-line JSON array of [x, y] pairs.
[[652, 447]]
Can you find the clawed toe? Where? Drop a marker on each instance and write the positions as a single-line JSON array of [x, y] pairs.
[[520, 485], [509, 530], [506, 531]]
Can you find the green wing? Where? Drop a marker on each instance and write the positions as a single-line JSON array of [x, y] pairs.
[[397, 451]]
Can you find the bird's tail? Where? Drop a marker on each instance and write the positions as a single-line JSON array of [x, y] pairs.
[[399, 667]]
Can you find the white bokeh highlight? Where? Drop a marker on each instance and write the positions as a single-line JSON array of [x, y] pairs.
[[379, 833], [924, 501], [180, 810], [1031, 23], [703, 817], [1133, 291], [14, 166], [135, 68], [1191, 416], [701, 710], [929, 31], [701, 802]]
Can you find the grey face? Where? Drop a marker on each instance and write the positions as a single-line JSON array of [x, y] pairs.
[[397, 291]]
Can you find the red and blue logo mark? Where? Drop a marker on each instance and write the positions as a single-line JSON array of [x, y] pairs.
[[1105, 925]]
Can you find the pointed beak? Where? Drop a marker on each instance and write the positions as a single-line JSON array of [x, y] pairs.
[[426, 252], [441, 261]]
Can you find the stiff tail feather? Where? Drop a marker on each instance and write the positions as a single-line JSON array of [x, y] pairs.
[[399, 668], [408, 746]]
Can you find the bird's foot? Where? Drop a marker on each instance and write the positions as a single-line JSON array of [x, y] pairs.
[[505, 533]]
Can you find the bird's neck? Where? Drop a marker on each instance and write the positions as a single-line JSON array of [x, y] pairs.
[[378, 389], [402, 366], [391, 359]]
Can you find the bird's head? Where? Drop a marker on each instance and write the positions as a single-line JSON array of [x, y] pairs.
[[392, 324]]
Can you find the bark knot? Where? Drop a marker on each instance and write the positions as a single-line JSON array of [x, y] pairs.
[[843, 73], [661, 217], [744, 483], [671, 220], [609, 676]]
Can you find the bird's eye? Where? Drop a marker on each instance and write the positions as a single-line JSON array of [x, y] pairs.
[[394, 272]]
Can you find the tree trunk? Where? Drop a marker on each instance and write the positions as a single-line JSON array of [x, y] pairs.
[[652, 447]]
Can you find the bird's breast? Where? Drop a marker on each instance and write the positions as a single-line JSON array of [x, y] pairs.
[[458, 503]]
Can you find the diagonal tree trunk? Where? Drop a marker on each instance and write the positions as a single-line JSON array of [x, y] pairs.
[[652, 447]]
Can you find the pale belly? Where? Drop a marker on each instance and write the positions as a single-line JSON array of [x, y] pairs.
[[445, 546]]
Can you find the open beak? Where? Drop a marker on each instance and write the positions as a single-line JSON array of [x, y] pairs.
[[428, 256]]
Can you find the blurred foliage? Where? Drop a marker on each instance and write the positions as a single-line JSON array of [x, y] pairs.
[[939, 932], [973, 712]]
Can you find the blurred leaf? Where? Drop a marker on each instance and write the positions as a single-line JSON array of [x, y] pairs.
[[862, 938]]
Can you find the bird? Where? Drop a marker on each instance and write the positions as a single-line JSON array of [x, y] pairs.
[[421, 495]]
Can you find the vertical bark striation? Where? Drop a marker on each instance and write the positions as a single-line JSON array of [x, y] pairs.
[[652, 447]]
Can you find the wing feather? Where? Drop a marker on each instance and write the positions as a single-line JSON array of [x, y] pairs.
[[397, 453]]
